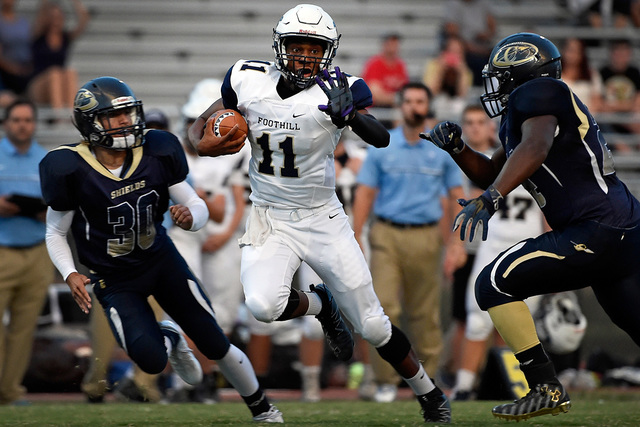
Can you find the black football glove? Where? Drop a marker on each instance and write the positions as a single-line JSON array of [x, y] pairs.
[[340, 106], [446, 135], [478, 211]]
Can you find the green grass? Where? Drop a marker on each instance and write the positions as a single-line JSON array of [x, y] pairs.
[[601, 408]]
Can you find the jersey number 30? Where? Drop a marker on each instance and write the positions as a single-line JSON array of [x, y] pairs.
[[132, 224]]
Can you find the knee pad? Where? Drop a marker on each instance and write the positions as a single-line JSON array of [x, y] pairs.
[[376, 330], [261, 310], [486, 295], [479, 326], [311, 328]]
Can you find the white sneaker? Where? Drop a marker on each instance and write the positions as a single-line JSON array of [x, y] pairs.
[[181, 358], [273, 415], [386, 393]]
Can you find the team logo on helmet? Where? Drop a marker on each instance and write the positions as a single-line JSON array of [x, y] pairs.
[[517, 53], [85, 100]]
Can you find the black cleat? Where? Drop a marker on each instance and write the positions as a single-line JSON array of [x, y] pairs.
[[335, 330], [542, 399], [435, 407]]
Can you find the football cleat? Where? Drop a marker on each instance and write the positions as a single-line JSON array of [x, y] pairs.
[[181, 357], [542, 399], [273, 415], [435, 407], [335, 330]]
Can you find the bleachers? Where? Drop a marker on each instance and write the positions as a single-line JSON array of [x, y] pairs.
[[163, 47]]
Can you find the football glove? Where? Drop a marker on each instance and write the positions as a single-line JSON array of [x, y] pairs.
[[447, 136], [478, 212], [340, 106]]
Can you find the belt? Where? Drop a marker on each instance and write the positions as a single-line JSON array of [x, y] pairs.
[[406, 224], [23, 247]]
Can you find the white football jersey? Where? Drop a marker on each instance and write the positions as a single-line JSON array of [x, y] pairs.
[[520, 219], [292, 142]]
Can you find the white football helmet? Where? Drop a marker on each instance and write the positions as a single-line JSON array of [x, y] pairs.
[[560, 323], [203, 94], [305, 21]]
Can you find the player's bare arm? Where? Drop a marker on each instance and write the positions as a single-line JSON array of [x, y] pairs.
[[537, 138], [480, 169], [206, 143]]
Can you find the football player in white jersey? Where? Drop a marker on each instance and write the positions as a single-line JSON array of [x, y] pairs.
[[296, 109]]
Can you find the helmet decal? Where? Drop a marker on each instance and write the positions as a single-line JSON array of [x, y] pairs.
[[123, 100], [85, 100], [513, 54]]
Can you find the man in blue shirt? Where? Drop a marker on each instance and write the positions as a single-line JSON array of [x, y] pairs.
[[406, 186], [25, 268]]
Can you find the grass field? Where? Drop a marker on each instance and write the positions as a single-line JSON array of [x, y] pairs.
[[601, 408]]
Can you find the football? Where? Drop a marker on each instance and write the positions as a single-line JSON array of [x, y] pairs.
[[222, 121]]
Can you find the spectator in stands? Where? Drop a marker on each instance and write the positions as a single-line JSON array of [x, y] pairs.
[[25, 268], [474, 22], [614, 13], [449, 79], [54, 82], [621, 90], [385, 73], [583, 80], [15, 49], [402, 185]]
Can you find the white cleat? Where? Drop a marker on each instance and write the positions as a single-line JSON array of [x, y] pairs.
[[273, 415], [181, 357]]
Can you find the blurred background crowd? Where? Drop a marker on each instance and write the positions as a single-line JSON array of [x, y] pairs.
[[174, 56]]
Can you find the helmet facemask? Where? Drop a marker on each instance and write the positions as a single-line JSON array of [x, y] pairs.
[[123, 137], [494, 100]]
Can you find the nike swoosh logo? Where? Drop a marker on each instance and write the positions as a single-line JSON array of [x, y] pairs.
[[295, 116], [527, 362], [333, 216]]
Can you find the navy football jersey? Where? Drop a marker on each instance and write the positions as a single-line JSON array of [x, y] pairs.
[[577, 180], [118, 220]]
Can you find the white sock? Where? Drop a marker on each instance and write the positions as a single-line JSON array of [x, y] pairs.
[[237, 369], [420, 383], [464, 380], [315, 303]]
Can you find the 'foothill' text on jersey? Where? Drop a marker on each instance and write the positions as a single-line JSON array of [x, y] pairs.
[[292, 142]]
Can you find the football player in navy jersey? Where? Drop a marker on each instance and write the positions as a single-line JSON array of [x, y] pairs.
[[296, 109], [552, 146], [111, 191]]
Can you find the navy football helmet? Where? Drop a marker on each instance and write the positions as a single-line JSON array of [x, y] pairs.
[[515, 60], [96, 101], [307, 22]]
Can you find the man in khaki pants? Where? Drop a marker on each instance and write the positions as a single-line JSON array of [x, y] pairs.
[[403, 185], [25, 268]]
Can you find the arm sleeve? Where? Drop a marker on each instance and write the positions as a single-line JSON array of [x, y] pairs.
[[58, 225], [182, 193]]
